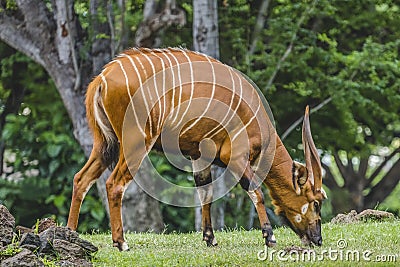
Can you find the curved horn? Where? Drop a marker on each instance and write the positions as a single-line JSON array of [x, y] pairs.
[[313, 163]]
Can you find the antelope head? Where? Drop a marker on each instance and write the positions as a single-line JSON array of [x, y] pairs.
[[301, 209]]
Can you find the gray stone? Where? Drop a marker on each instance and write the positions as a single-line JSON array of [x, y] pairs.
[[45, 224], [7, 224], [375, 215], [30, 239], [86, 245], [58, 232], [23, 259], [66, 250], [32, 248], [363, 216], [63, 233]]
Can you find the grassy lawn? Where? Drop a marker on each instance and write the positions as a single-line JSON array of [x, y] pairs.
[[342, 246]]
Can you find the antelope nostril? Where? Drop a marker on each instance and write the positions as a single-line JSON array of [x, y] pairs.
[[319, 241]]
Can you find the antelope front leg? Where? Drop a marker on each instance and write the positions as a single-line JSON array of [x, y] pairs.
[[116, 185], [258, 199]]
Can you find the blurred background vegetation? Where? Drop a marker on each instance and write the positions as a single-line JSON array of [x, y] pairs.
[[340, 57]]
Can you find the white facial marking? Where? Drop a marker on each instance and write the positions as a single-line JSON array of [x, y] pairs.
[[214, 242], [297, 218], [304, 208]]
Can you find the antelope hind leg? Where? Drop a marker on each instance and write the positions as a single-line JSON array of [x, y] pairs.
[[83, 180], [116, 185], [204, 187]]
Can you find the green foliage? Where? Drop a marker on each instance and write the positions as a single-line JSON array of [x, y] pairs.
[[42, 155]]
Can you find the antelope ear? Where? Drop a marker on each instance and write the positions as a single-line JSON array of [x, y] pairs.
[[324, 193], [299, 176], [313, 163]]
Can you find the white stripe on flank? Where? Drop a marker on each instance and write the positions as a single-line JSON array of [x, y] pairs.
[[105, 82], [161, 118], [209, 102], [248, 123], [173, 78], [155, 87], [173, 89], [191, 93], [105, 129], [143, 92], [239, 102], [129, 93], [230, 108]]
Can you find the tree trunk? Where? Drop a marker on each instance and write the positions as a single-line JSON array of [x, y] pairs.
[[351, 195], [206, 40], [205, 27], [153, 23], [52, 39]]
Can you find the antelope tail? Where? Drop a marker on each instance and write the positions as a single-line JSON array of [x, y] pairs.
[[103, 134]]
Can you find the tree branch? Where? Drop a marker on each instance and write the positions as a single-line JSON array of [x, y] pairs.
[[299, 120], [123, 40], [381, 166], [329, 179], [37, 17], [152, 23], [101, 53], [350, 166], [261, 17], [13, 33], [362, 169], [289, 47], [385, 186], [342, 168]]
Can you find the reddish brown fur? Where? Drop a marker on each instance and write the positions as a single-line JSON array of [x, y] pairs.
[[107, 103]]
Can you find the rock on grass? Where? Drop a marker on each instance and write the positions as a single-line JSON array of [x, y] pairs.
[[7, 224], [365, 215], [25, 258], [44, 240]]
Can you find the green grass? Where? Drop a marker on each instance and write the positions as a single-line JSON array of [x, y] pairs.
[[240, 248]]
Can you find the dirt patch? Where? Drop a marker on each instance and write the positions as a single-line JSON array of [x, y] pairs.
[[43, 240], [365, 215]]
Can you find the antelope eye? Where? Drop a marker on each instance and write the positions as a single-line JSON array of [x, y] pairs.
[[316, 206]]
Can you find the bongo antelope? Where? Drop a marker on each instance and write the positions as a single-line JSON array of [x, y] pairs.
[[217, 117]]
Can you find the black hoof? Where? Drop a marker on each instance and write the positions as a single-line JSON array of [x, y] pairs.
[[212, 243], [270, 240], [210, 240], [270, 243]]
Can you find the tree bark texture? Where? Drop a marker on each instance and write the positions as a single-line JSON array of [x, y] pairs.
[[206, 40], [153, 22], [53, 38], [205, 27]]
